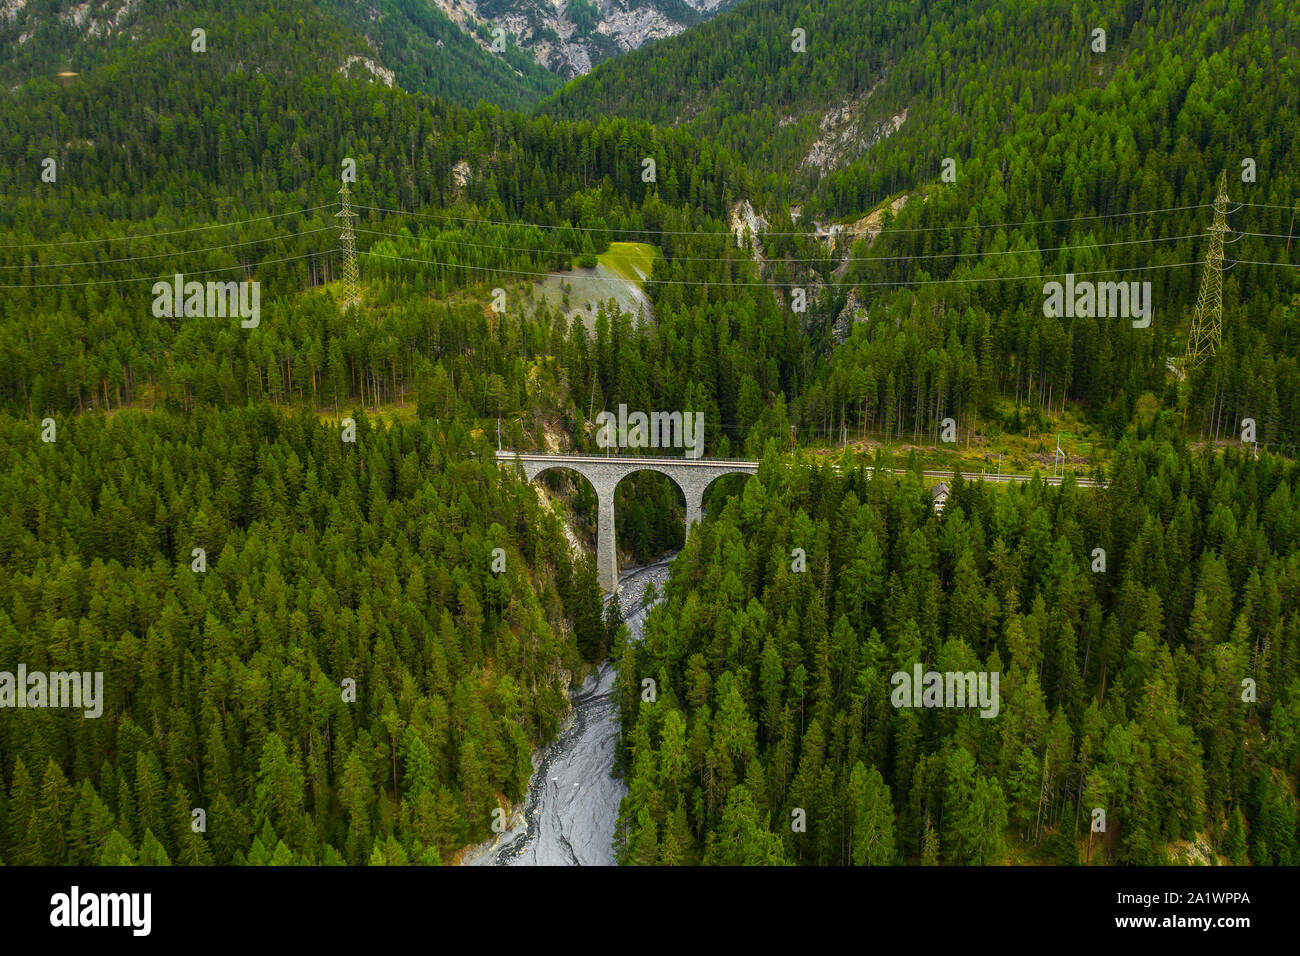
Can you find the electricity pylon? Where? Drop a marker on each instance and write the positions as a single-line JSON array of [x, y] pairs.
[[1207, 322], [351, 278]]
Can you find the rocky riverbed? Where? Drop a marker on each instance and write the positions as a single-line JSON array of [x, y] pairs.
[[573, 798]]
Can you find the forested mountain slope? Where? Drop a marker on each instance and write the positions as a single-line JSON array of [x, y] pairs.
[[226, 675], [413, 44], [965, 72], [508, 52], [430, 52], [1060, 158], [326, 561], [178, 174], [164, 144], [736, 78], [1161, 690]]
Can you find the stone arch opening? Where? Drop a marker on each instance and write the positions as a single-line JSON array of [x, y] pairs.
[[585, 499], [716, 491], [650, 508]]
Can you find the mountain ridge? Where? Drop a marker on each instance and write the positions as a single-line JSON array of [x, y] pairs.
[[511, 53]]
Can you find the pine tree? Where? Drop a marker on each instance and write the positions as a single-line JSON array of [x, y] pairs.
[[873, 820]]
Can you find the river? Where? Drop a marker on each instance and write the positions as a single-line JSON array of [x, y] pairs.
[[573, 798]]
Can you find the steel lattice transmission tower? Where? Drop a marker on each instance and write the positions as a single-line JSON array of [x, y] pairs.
[[351, 278], [1207, 322]]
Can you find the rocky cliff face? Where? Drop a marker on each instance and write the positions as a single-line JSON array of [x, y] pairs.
[[569, 37]]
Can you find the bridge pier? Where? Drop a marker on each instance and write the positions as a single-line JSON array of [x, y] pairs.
[[606, 548], [694, 511]]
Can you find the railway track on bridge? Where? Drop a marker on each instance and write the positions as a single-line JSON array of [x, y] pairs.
[[752, 466]]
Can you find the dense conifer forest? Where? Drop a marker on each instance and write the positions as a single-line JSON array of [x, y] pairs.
[[1120, 689], [323, 562], [182, 511]]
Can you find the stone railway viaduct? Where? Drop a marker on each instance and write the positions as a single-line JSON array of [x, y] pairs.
[[693, 476]]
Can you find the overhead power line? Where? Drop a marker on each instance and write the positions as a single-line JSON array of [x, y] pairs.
[[151, 279], [167, 255], [632, 231], [171, 232], [796, 261], [834, 285], [765, 232], [1264, 205], [1254, 262]]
